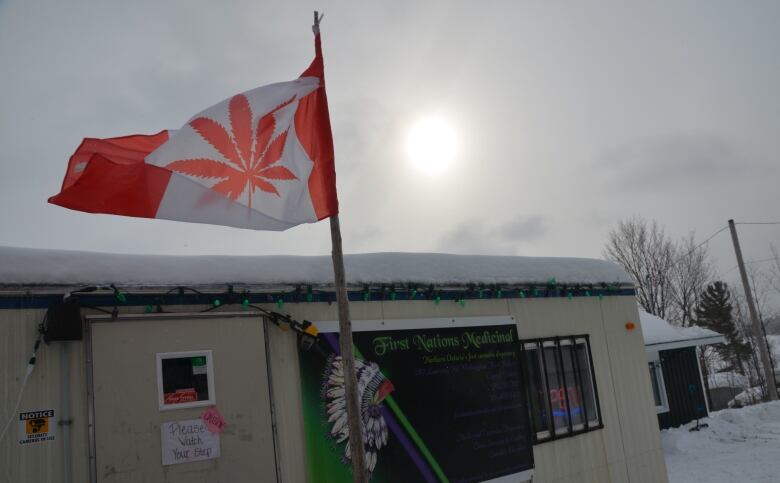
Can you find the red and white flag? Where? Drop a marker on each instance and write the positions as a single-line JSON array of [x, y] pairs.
[[261, 160]]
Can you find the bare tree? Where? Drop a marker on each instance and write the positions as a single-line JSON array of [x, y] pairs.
[[690, 274], [773, 277], [760, 283], [647, 254], [669, 276], [752, 366]]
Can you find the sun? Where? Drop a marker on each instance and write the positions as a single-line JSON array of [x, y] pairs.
[[431, 144]]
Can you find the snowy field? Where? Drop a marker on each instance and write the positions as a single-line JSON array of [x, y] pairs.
[[740, 445]]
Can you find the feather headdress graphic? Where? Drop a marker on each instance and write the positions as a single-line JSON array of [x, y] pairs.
[[373, 388]]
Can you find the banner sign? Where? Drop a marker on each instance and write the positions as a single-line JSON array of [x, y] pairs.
[[442, 400], [37, 426], [187, 441]]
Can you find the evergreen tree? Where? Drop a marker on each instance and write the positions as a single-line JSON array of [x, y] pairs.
[[714, 312]]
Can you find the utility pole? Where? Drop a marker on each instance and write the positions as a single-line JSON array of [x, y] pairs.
[[757, 332]]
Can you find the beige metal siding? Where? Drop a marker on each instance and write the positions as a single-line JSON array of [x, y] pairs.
[[40, 462], [598, 449], [286, 394], [628, 449], [127, 417], [636, 407]]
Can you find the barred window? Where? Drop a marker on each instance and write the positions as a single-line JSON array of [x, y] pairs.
[[561, 386]]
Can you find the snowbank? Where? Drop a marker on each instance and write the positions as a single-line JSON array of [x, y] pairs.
[[25, 266], [739, 445], [658, 331], [752, 394], [747, 397]]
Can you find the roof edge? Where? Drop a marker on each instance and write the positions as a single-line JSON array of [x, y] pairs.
[[679, 344]]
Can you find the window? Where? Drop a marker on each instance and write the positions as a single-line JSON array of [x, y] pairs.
[[185, 380], [659, 390], [561, 386]]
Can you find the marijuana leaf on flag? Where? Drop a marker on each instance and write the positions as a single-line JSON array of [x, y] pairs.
[[262, 159]]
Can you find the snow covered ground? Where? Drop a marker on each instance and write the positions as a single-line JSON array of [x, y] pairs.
[[740, 445], [750, 394]]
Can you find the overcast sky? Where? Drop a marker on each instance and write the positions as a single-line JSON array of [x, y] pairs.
[[569, 116]]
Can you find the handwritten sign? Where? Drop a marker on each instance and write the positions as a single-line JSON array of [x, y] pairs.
[[213, 419], [187, 441]]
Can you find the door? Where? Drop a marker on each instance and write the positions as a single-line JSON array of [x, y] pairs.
[[683, 387], [153, 379]]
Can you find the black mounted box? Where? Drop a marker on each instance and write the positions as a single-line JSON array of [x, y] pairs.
[[63, 322]]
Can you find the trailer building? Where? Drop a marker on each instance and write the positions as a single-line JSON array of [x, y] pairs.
[[475, 368]]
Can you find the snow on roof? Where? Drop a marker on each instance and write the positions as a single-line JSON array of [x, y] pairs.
[[660, 333], [27, 266]]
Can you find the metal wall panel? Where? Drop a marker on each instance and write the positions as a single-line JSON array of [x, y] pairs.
[[627, 449], [127, 417], [40, 462], [633, 393], [599, 449]]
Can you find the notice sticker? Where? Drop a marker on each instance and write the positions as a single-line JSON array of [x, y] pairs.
[[37, 426]]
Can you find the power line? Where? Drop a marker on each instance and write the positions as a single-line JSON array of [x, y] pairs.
[[700, 244], [763, 260], [749, 262]]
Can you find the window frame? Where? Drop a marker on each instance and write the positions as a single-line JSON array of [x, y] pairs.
[[657, 375], [590, 422], [212, 400]]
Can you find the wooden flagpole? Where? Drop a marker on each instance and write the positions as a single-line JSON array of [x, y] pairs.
[[357, 449], [348, 358]]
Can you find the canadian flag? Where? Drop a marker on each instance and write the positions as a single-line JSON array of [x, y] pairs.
[[262, 160]]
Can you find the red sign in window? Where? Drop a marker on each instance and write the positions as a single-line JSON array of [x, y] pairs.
[[181, 396], [558, 401]]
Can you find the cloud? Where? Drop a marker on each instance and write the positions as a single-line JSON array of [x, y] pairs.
[[692, 159], [364, 130], [479, 238], [363, 238], [523, 229]]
